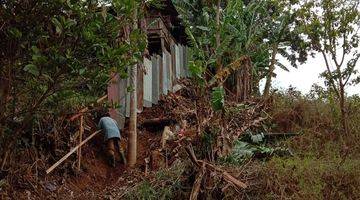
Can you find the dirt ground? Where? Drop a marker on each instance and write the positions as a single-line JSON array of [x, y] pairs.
[[97, 179]]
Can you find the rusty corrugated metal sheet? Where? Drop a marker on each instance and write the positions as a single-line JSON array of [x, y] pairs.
[[169, 71], [140, 88], [177, 61], [166, 73], [122, 101], [155, 78], [147, 83], [186, 58], [161, 75], [173, 65], [115, 92], [161, 71], [127, 101], [113, 96], [182, 61]]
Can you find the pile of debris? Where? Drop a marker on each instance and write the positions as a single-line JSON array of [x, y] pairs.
[[185, 118]]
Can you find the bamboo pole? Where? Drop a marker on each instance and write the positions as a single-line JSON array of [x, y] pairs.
[[71, 152]]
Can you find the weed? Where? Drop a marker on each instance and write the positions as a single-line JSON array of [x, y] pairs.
[[166, 184], [324, 167]]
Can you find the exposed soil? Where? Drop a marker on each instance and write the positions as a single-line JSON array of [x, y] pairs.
[[97, 177]]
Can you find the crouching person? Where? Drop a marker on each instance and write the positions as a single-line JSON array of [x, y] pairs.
[[112, 138]]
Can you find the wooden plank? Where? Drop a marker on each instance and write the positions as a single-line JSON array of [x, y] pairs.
[[71, 152]]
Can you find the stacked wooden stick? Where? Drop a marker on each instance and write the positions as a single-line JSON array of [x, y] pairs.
[[81, 142]]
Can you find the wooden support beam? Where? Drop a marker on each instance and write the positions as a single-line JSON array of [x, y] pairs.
[[81, 131], [71, 152]]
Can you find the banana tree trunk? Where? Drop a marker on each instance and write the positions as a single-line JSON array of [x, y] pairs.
[[271, 71]]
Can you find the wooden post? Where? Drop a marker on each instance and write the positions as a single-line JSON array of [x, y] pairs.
[[81, 131]]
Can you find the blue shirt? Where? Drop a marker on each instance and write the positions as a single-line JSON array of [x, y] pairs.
[[110, 128]]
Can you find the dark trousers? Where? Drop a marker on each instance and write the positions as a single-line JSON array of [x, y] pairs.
[[113, 145]]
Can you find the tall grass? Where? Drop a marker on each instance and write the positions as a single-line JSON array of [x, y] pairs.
[[325, 165]]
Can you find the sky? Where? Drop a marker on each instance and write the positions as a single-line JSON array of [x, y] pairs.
[[305, 76]]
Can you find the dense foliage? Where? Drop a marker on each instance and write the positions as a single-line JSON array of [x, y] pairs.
[[59, 55], [247, 28]]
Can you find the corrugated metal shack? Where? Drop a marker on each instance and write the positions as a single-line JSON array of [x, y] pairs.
[[166, 63]]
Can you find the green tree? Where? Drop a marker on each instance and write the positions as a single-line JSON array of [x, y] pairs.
[[332, 28], [57, 56], [283, 37]]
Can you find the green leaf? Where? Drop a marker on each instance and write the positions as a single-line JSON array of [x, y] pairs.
[[203, 28], [218, 98], [16, 33], [32, 69], [57, 25], [282, 66], [82, 71]]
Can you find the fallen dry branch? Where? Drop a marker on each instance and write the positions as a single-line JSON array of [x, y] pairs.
[[253, 123], [197, 184], [84, 110], [226, 176]]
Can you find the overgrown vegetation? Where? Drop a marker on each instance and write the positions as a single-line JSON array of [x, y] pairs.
[[59, 56], [315, 164], [321, 167], [62, 54]]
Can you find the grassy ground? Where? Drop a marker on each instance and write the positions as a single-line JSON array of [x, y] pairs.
[[326, 162], [327, 173]]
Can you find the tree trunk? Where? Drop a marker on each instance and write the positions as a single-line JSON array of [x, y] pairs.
[[244, 81], [271, 71], [132, 140], [344, 121]]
